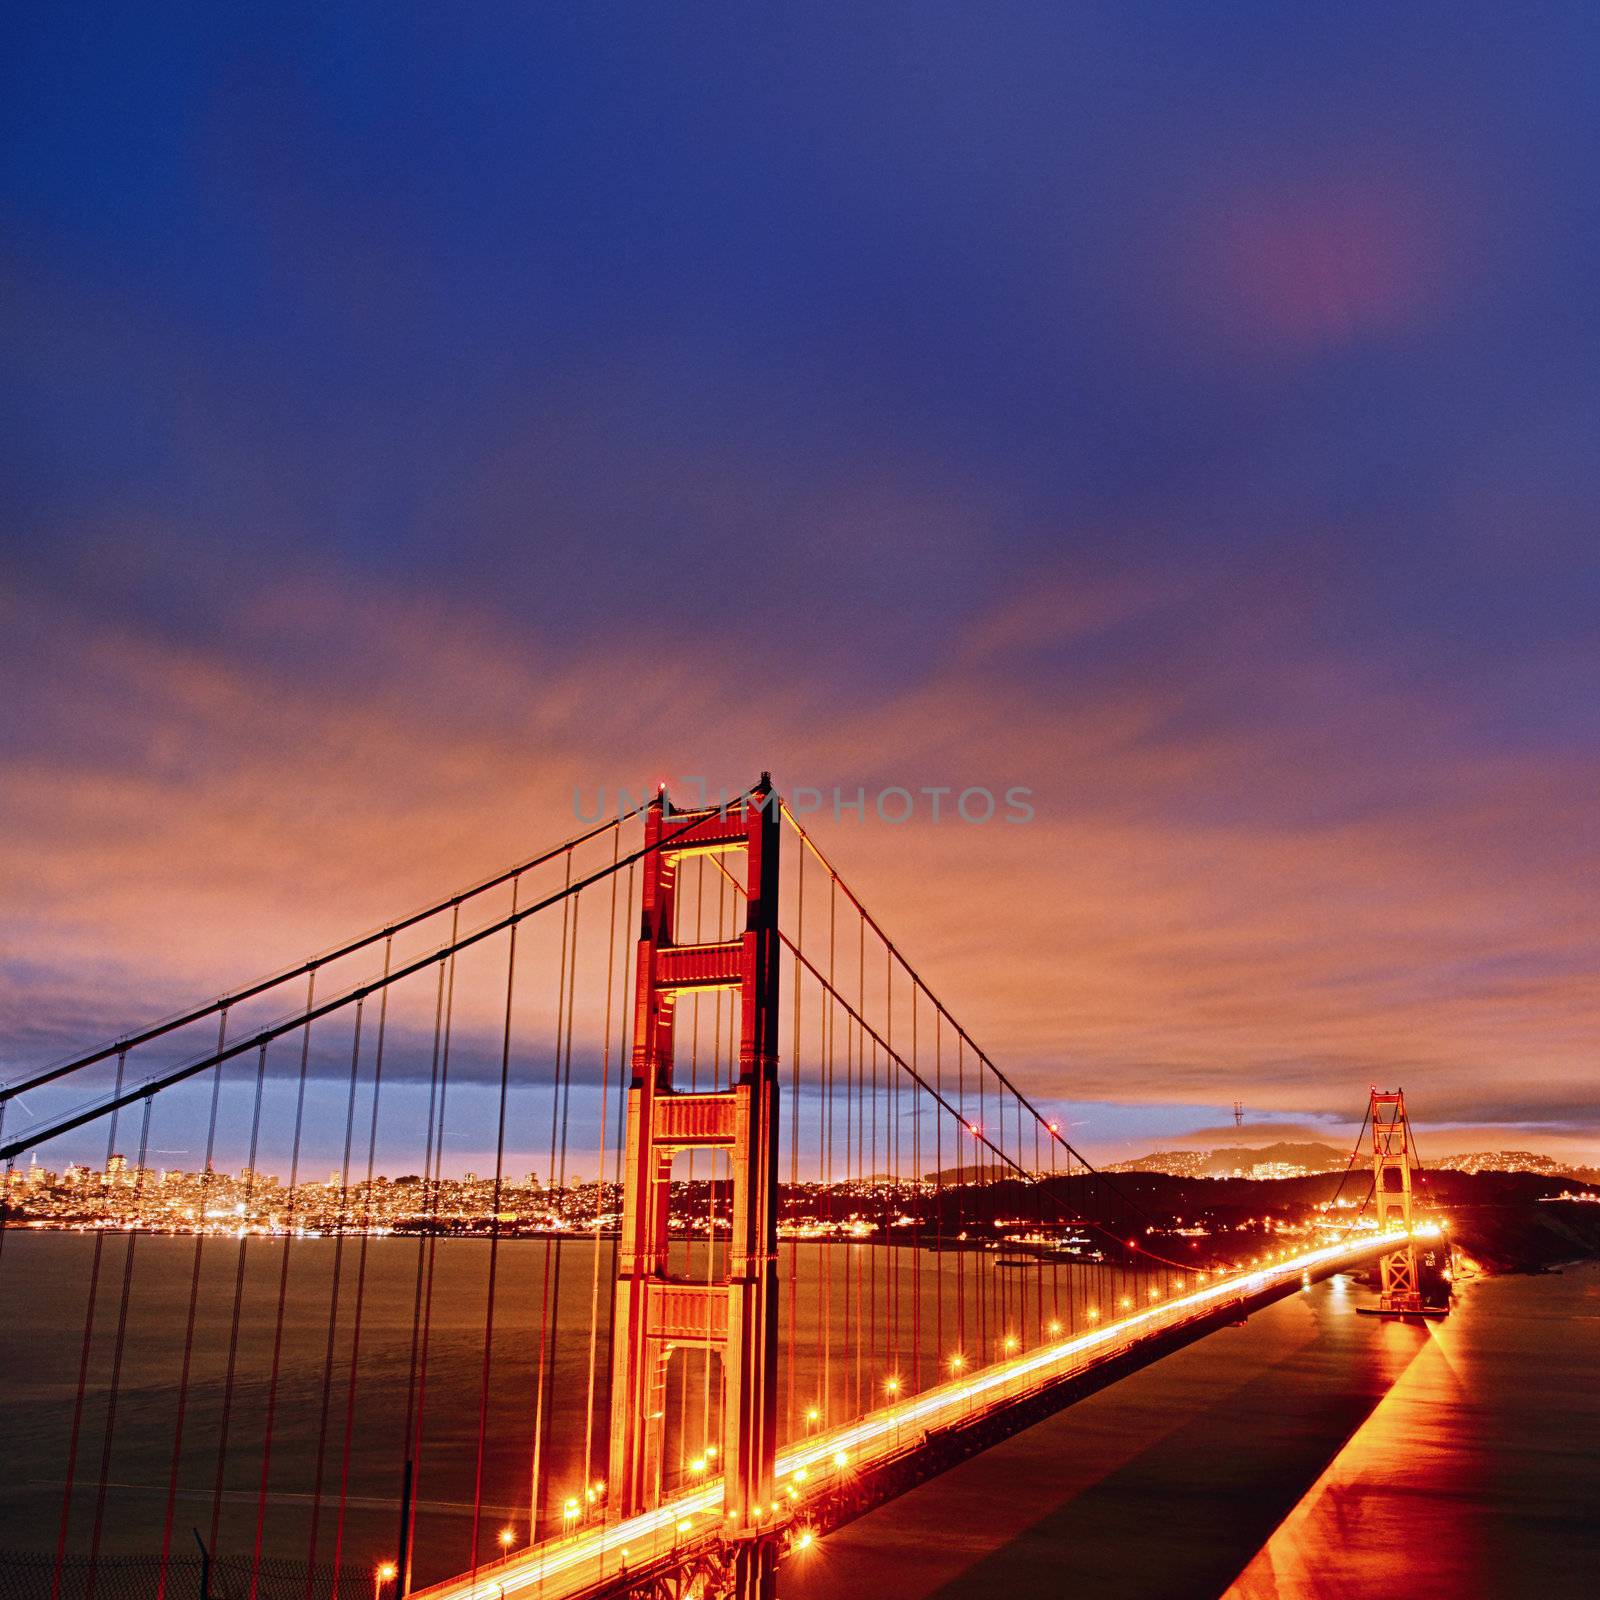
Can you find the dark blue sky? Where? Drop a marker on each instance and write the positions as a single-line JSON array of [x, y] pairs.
[[1187, 411]]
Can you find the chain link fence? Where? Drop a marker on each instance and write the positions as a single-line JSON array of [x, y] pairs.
[[32, 1576]]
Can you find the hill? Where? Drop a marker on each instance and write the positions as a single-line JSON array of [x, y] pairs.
[[1282, 1160]]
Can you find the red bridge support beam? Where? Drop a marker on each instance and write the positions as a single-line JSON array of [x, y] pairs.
[[737, 1317]]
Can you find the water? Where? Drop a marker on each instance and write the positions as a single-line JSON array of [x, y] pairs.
[[1311, 1453]]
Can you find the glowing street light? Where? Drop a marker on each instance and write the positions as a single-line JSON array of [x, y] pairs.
[[891, 1387], [383, 1573], [508, 1537]]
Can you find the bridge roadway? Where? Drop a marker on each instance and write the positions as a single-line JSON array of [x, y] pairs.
[[826, 1472]]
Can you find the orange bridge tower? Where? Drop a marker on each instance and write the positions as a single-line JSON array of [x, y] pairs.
[[1393, 1157], [655, 1313]]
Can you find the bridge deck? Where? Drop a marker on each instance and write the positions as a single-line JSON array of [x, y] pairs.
[[812, 1473]]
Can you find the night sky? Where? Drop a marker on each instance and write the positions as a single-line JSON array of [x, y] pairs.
[[1188, 413]]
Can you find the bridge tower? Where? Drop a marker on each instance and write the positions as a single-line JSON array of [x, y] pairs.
[[1392, 1160], [737, 1317]]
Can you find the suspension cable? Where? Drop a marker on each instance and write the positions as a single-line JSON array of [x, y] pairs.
[[262, 986], [78, 1119]]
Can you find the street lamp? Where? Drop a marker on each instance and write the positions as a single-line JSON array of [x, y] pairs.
[[383, 1573], [508, 1537]]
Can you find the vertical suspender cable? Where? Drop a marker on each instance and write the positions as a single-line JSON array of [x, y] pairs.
[[537, 1444], [238, 1300], [407, 1538], [283, 1293], [600, 1172], [855, 1032], [194, 1303], [361, 1270], [435, 1182], [494, 1230], [827, 1173], [549, 1327], [88, 1342], [916, 1213], [938, 1194], [340, 1228], [961, 1179], [561, 1174], [118, 1348], [794, 1147]]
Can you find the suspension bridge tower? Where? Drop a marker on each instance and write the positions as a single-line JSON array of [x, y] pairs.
[[1393, 1156], [735, 1318]]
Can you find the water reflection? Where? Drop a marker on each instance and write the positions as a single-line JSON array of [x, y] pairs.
[[1395, 1507], [1311, 1453]]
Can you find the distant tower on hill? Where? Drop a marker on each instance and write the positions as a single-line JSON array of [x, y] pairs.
[[1238, 1113]]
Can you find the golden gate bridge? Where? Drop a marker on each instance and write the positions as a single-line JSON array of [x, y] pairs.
[[829, 1247]]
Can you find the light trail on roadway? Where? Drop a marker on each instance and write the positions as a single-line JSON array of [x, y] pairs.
[[573, 1564]]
